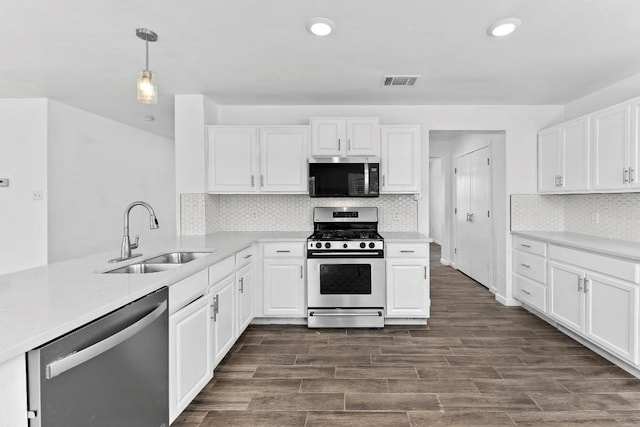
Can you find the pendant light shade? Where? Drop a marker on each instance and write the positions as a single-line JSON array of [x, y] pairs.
[[147, 87]]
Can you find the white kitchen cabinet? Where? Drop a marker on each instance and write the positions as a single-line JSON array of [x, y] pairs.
[[530, 273], [244, 297], [345, 136], [400, 159], [611, 139], [567, 298], [283, 276], [224, 318], [407, 278], [563, 157], [634, 146], [232, 161], [612, 314], [283, 159], [248, 159], [190, 358], [13, 392]]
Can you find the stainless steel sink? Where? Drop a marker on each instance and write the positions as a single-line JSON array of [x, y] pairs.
[[159, 263], [177, 257]]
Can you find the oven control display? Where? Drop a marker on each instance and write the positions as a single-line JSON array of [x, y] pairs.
[[345, 214]]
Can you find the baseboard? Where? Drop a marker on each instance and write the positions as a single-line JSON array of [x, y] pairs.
[[509, 302], [411, 321], [279, 321], [444, 261]]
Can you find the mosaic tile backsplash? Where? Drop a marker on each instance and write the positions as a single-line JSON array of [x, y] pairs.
[[205, 213], [616, 216]]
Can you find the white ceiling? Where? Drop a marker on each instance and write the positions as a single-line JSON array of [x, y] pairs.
[[85, 52]]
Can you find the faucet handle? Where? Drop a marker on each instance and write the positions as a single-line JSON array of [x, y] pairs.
[[135, 244]]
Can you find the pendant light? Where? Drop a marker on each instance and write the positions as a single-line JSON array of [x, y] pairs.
[[146, 85]]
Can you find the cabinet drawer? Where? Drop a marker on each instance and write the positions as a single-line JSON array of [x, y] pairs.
[[531, 266], [626, 270], [185, 291], [528, 245], [244, 257], [530, 293], [280, 250], [221, 269], [406, 250]]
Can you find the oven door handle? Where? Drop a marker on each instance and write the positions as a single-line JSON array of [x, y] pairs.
[[377, 314]]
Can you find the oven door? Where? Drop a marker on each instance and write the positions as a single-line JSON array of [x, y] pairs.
[[346, 282]]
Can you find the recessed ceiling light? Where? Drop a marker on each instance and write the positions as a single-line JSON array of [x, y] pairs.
[[320, 26], [504, 27]]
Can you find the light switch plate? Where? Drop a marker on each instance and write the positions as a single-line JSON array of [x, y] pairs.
[[4, 182]]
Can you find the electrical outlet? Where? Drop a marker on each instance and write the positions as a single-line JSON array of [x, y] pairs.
[[254, 215], [396, 216], [37, 195]]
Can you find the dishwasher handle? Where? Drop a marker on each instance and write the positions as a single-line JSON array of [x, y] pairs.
[[60, 366]]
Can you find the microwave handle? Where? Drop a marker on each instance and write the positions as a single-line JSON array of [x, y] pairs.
[[312, 185]]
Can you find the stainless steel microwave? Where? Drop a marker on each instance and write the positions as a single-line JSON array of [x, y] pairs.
[[344, 177]]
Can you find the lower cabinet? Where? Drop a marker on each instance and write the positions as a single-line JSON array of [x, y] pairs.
[[407, 281], [13, 392], [244, 298], [283, 280], [223, 318], [189, 353], [566, 287]]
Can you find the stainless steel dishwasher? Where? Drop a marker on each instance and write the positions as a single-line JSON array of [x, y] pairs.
[[111, 372]]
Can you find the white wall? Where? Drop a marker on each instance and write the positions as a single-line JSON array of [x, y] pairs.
[[23, 159], [605, 97], [436, 200], [521, 124], [96, 167]]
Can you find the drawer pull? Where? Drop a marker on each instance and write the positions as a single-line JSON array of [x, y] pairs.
[[406, 252], [248, 256], [525, 265], [524, 291], [525, 246], [283, 251]]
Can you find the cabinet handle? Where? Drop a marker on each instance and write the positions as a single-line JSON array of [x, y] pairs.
[[261, 180], [632, 177], [586, 285], [561, 181], [301, 272], [425, 272], [349, 144], [525, 265], [406, 252], [557, 180], [625, 176], [248, 256], [339, 145], [282, 251], [215, 308], [525, 246], [580, 281], [524, 291], [383, 181], [242, 285], [253, 180]]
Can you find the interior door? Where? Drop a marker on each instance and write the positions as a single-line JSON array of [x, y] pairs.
[[473, 218]]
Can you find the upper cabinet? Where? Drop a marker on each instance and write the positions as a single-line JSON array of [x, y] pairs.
[[247, 159], [400, 159], [563, 157], [596, 153], [345, 136]]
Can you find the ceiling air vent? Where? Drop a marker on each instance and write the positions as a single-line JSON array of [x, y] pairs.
[[400, 80]]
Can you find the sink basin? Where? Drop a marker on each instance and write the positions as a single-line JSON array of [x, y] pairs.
[[177, 257], [142, 268], [159, 263]]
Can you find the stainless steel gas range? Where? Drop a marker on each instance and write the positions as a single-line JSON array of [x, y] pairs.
[[345, 269]]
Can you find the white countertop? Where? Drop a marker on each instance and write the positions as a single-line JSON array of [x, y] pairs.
[[612, 247], [43, 303], [403, 237]]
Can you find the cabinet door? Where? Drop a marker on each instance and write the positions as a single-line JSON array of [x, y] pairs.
[[328, 136], [190, 366], [566, 295], [231, 159], [549, 159], [244, 295], [612, 314], [363, 136], [13, 392], [634, 146], [407, 288], [224, 318], [284, 287], [400, 159], [610, 139], [575, 156], [283, 159]]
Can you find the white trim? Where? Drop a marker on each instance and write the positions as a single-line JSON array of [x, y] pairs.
[[437, 242], [279, 321], [444, 261], [411, 321], [509, 302]]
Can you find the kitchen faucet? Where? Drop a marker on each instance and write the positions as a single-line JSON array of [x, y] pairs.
[[127, 246]]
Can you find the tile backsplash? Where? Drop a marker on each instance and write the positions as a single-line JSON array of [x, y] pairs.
[[616, 216], [206, 213]]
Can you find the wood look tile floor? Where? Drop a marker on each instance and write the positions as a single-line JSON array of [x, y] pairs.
[[476, 363]]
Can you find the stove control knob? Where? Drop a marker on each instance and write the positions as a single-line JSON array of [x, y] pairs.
[[363, 245], [318, 245], [327, 245], [345, 246], [372, 245]]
